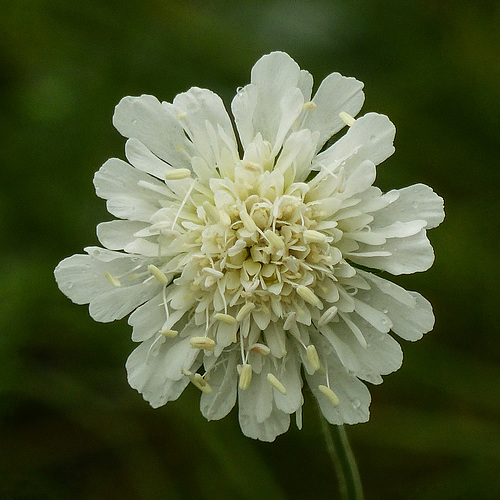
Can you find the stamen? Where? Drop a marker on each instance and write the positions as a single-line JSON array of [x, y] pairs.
[[276, 383], [158, 274], [260, 349], [113, 280], [177, 174], [201, 383], [225, 318], [188, 192], [245, 311], [329, 394], [347, 118], [312, 357], [308, 295], [205, 343], [245, 375], [328, 315]]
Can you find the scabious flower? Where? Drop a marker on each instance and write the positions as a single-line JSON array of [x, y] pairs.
[[243, 258]]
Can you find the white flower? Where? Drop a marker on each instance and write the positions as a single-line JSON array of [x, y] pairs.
[[242, 269]]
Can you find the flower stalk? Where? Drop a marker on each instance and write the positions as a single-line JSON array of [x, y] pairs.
[[343, 461]]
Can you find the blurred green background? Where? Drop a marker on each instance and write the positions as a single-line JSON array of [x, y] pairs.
[[71, 427]]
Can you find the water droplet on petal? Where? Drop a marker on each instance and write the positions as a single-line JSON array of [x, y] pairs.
[[356, 404], [69, 285], [385, 311], [373, 138]]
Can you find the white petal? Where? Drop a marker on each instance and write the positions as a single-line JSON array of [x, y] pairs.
[[155, 370], [404, 255], [276, 423], [417, 202], [336, 93], [201, 112], [371, 138], [147, 319], [83, 279], [118, 182], [289, 376], [117, 234], [410, 313], [381, 356], [223, 380], [272, 102], [297, 153], [145, 119], [354, 397]]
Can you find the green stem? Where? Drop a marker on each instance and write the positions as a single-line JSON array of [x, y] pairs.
[[343, 460]]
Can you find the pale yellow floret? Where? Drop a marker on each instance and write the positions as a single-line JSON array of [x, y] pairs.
[[245, 311], [347, 118], [166, 332], [308, 295], [250, 165], [276, 383], [158, 274], [177, 174], [204, 343], [245, 375], [274, 239], [312, 357], [225, 318], [201, 383], [114, 281], [248, 222], [213, 272], [329, 394]]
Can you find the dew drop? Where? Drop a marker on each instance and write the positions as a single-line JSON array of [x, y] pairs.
[[414, 204], [373, 138], [69, 285], [356, 404], [134, 122], [385, 311]]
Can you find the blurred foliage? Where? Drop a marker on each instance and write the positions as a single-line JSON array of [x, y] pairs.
[[70, 425]]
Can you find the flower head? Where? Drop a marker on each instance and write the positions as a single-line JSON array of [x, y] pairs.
[[244, 267]]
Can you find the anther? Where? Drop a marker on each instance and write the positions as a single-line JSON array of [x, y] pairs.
[[177, 174], [347, 118], [114, 281], [166, 332], [245, 311], [225, 318], [274, 239], [276, 383], [245, 375], [334, 399], [327, 316], [250, 165], [309, 105], [312, 236], [260, 349], [308, 295], [201, 383], [312, 357], [204, 343], [158, 274]]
